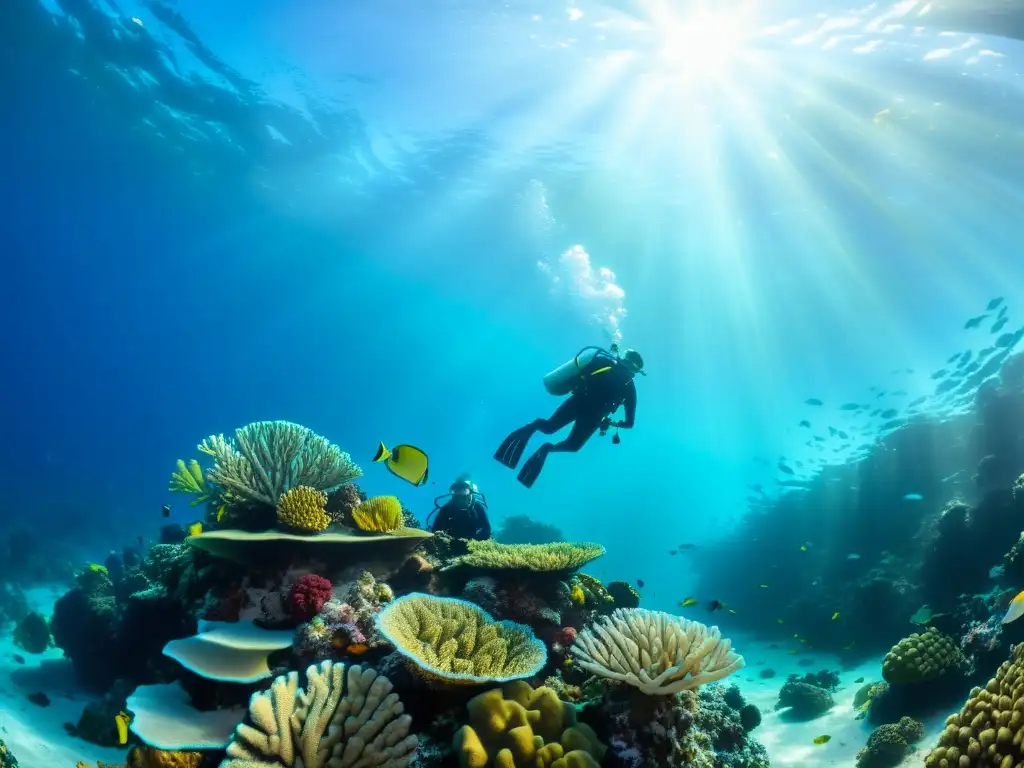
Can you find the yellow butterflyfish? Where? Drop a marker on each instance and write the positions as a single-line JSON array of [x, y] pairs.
[[195, 529], [404, 461], [121, 722]]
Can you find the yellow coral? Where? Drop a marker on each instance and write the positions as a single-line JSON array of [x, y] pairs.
[[518, 726], [304, 509], [987, 731], [148, 757], [189, 479], [557, 556], [920, 657], [381, 513], [577, 596], [454, 641]]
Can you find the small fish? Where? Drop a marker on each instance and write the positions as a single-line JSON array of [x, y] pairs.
[[673, 551], [773, 645], [853, 556], [803, 639], [405, 461], [195, 529], [763, 586], [779, 621], [688, 602], [141, 541], [824, 739], [912, 497], [1016, 609], [805, 424], [640, 583], [121, 722], [993, 304], [834, 616], [687, 546], [220, 512], [813, 401], [796, 635], [713, 606], [18, 658], [849, 406], [39, 698], [785, 468], [166, 510], [859, 680], [974, 322], [803, 547], [732, 611], [792, 651]]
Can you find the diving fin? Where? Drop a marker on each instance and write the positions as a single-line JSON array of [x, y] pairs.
[[511, 451], [531, 469]]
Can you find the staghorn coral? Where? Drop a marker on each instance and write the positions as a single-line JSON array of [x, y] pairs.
[[342, 719], [554, 557], [189, 479], [381, 513], [655, 652], [519, 726], [303, 509], [920, 657], [453, 641], [989, 728], [889, 744], [268, 458]]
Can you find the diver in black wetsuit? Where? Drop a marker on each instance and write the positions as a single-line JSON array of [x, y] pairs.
[[463, 514], [599, 383]]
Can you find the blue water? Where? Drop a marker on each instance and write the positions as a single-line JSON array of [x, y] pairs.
[[353, 216]]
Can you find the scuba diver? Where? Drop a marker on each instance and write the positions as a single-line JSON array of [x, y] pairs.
[[462, 512], [597, 381]]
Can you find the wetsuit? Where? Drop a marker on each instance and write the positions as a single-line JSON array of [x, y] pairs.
[[462, 522]]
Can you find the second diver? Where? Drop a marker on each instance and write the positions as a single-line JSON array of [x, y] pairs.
[[597, 381]]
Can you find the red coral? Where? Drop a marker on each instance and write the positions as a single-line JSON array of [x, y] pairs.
[[566, 636], [308, 595]]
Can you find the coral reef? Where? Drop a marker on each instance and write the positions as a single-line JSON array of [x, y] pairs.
[[32, 634], [455, 641], [655, 652], [889, 744], [803, 700], [342, 718], [865, 694], [623, 594], [987, 729], [189, 479], [307, 596], [381, 513], [920, 657], [268, 458], [521, 726], [147, 757], [554, 557], [7, 758], [303, 509]]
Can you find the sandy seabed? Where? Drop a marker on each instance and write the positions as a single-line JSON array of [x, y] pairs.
[[37, 737]]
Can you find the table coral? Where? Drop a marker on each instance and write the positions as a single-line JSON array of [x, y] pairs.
[[454, 641], [554, 557], [518, 726]]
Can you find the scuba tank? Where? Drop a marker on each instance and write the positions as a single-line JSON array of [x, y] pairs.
[[564, 379]]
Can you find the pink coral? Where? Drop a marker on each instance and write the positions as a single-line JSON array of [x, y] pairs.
[[308, 595]]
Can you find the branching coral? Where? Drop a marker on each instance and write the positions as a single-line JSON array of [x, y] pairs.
[[920, 657], [656, 652], [303, 509], [454, 641], [268, 458], [189, 479], [518, 726], [557, 556], [340, 720], [381, 513]]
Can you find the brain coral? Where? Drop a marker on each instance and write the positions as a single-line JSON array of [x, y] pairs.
[[989, 730], [381, 513], [520, 726], [557, 556], [920, 657], [304, 509], [454, 641]]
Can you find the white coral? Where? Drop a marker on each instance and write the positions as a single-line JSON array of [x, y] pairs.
[[656, 652], [338, 721]]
